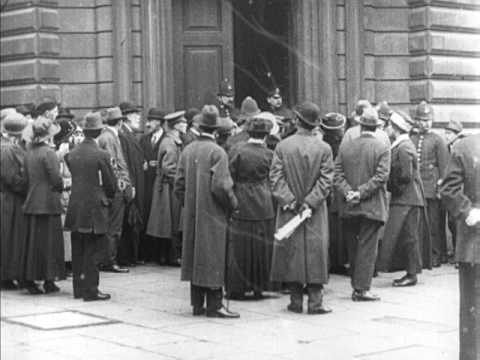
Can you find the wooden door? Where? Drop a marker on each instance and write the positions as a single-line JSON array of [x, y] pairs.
[[203, 50]]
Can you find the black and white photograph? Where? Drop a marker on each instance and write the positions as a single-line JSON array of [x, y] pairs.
[[240, 179]]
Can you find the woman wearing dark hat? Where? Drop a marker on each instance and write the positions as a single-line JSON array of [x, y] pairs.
[[333, 127], [252, 226], [164, 220], [44, 258], [13, 186]]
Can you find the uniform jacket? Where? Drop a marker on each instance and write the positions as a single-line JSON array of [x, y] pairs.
[[249, 166], [404, 182], [204, 186], [363, 164], [45, 182], [461, 192], [110, 142], [432, 156], [164, 220], [302, 171], [93, 184]]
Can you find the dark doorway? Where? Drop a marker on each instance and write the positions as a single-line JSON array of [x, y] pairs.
[[261, 33]]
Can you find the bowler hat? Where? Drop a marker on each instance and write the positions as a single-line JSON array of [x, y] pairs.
[[209, 117], [454, 126], [155, 114], [400, 120], [333, 121], [423, 112], [14, 123], [248, 109], [44, 129], [93, 121], [309, 113], [225, 88], [113, 115], [369, 117], [128, 108], [64, 113]]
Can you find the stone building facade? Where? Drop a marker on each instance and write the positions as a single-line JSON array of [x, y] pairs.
[[173, 53]]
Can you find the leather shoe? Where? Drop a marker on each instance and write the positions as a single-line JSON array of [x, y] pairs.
[[359, 295], [99, 296], [407, 280], [50, 287], [33, 288], [294, 308], [198, 311], [319, 311], [116, 269], [8, 285], [223, 313]]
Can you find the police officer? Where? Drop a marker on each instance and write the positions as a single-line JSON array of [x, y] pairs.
[[283, 114], [226, 98], [432, 156]]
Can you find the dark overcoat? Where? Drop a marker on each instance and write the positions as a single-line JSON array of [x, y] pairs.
[[135, 160], [461, 192], [363, 164], [93, 184], [45, 182], [302, 171], [13, 185], [205, 188], [164, 220], [150, 152]]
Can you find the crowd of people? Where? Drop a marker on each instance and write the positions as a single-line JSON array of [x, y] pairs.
[[207, 189]]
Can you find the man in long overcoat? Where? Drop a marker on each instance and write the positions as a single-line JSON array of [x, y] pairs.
[[133, 221], [93, 187], [432, 156], [301, 177], [361, 174], [400, 247], [460, 192], [205, 188]]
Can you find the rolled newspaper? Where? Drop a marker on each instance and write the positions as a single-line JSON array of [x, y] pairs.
[[289, 228]]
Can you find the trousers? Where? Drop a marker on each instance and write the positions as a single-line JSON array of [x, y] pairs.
[[469, 277], [85, 259], [214, 297], [114, 232], [438, 236], [314, 291], [362, 235]]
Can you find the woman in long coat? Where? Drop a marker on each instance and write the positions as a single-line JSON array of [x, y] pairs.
[[13, 186], [164, 219], [44, 258], [252, 225]]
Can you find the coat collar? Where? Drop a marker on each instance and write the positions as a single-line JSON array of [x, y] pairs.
[[207, 136], [401, 138]]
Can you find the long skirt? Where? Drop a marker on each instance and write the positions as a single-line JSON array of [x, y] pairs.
[[400, 248], [250, 245], [12, 236], [45, 256]]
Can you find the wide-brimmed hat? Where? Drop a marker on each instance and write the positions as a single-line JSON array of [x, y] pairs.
[[93, 121], [113, 114], [248, 109], [175, 117], [6, 112], [209, 118], [309, 113], [225, 124], [272, 122], [156, 114], [423, 112], [454, 126], [361, 105], [128, 108], [44, 129], [333, 121], [14, 123], [402, 121], [369, 117]]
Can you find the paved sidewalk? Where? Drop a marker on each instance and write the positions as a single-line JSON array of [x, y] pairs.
[[149, 317]]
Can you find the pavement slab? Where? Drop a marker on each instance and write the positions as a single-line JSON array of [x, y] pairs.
[[149, 317]]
